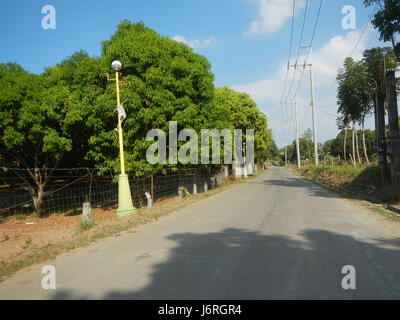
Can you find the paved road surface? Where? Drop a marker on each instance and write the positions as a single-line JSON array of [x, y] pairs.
[[275, 237]]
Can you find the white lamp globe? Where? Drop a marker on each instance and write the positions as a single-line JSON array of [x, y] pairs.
[[116, 65]]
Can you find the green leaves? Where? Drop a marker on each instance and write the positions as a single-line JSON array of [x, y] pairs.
[[387, 21], [54, 144], [355, 95], [12, 138], [242, 113]]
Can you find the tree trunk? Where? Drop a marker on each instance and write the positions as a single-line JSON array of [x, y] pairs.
[[393, 117], [364, 146], [382, 160], [358, 150], [353, 159], [38, 199]]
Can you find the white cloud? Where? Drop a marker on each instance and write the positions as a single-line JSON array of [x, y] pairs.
[[326, 62], [273, 15], [194, 43]]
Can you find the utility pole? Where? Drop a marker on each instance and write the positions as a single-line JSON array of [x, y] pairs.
[[380, 119], [314, 116], [393, 117], [297, 136], [379, 148], [285, 155]]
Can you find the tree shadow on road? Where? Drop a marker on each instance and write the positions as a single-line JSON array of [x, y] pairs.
[[243, 264]]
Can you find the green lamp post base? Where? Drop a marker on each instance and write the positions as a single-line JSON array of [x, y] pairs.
[[125, 206]]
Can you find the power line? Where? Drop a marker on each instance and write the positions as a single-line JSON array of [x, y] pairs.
[[290, 49], [352, 51], [302, 31], [311, 42], [298, 51], [311, 76], [315, 26], [328, 114], [284, 119]]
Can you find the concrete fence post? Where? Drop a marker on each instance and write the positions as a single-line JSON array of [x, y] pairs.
[[226, 172], [236, 169], [194, 188], [149, 200], [180, 193], [86, 212], [205, 186]]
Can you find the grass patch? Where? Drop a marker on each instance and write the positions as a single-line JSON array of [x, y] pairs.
[[28, 243], [20, 216], [85, 226]]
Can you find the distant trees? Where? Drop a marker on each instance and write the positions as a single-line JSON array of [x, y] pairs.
[[305, 144], [355, 100], [272, 152], [244, 114], [334, 147], [361, 89], [306, 140]]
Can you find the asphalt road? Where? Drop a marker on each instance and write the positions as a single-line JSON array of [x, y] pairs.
[[275, 237]]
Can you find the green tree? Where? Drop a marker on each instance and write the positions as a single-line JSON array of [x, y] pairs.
[[355, 99], [272, 151], [163, 81], [334, 147], [79, 82], [387, 21], [306, 143], [244, 114], [33, 134]]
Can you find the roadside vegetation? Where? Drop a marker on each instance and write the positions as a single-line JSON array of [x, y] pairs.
[[364, 180]]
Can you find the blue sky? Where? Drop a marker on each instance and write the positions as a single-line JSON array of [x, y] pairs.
[[246, 41]]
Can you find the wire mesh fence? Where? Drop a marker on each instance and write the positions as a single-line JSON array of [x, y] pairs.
[[68, 189]]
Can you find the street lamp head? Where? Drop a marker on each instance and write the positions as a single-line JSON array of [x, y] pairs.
[[116, 65]]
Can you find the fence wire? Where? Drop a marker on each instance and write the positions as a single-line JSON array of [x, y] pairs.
[[68, 189]]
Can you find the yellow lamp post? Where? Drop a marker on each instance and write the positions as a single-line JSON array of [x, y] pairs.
[[125, 206]]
